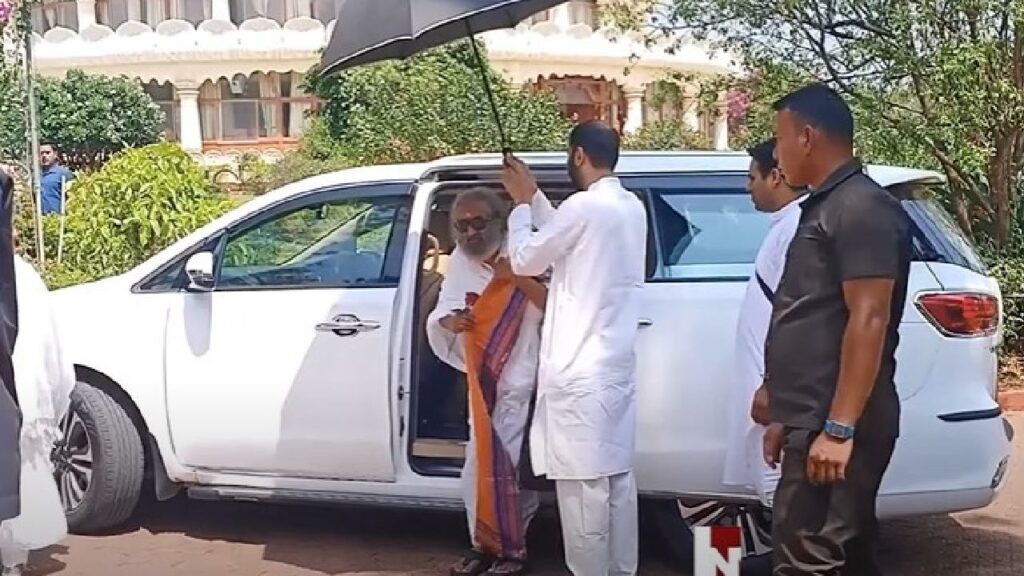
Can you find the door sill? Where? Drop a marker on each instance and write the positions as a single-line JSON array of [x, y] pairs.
[[438, 448], [320, 498]]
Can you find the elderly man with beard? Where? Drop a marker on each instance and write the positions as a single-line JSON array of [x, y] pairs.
[[487, 324]]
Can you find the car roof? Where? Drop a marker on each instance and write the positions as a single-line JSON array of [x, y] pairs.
[[631, 162]]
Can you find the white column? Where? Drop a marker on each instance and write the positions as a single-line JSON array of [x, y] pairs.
[[86, 13], [191, 126], [634, 109], [221, 10], [722, 128], [561, 17], [691, 119]]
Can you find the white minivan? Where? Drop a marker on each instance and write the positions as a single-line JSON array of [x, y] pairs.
[[278, 354]]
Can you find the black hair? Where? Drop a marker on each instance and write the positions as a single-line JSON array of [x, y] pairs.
[[821, 107], [51, 145], [764, 155], [6, 184], [598, 141]]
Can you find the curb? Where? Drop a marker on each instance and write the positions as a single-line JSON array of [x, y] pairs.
[[1011, 400]]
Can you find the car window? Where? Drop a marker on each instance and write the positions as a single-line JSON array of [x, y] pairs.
[[334, 243], [937, 237], [705, 227]]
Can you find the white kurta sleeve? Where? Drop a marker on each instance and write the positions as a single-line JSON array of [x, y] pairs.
[[541, 209], [532, 253], [447, 345]]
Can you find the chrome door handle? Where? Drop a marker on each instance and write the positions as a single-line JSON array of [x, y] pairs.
[[645, 322], [347, 325]]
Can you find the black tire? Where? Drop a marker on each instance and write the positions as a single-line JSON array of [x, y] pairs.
[[107, 496], [673, 521]]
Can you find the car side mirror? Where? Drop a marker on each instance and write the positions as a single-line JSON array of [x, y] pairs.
[[199, 270]]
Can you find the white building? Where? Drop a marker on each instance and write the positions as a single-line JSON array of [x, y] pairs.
[[228, 72]]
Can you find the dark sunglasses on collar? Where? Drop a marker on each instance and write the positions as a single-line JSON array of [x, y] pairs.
[[479, 224]]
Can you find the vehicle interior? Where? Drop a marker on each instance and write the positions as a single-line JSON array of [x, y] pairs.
[[439, 425]]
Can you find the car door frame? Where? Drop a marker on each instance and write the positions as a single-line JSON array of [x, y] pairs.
[[216, 242]]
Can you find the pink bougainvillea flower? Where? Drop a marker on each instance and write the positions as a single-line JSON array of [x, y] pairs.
[[6, 8]]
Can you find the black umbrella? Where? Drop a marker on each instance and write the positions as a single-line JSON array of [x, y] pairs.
[[369, 31]]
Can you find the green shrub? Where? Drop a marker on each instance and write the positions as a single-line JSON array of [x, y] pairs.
[[666, 135], [140, 202], [1008, 270]]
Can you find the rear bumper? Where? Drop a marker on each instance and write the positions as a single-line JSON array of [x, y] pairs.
[[942, 466]]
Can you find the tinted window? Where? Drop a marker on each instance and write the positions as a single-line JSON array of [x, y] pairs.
[[170, 278], [333, 243], [705, 225], [937, 237]]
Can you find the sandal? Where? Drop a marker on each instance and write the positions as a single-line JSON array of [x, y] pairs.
[[502, 567], [473, 563]]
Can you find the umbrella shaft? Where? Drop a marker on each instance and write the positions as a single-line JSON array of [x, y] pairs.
[[487, 87]]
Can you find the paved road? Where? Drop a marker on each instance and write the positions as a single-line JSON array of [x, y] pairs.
[[205, 539]]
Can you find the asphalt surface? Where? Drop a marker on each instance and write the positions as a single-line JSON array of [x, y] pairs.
[[191, 538]]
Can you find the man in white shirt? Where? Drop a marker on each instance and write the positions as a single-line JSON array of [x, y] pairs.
[[582, 435], [487, 324], [744, 461]]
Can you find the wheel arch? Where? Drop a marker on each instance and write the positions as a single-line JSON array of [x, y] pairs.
[[155, 475]]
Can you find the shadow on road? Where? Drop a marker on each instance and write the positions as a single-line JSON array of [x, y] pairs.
[[43, 562], [354, 539], [387, 542]]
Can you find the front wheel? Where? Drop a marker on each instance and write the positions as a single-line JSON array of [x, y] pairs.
[[98, 462], [676, 519]]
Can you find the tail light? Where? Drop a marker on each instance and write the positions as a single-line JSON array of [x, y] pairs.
[[961, 314]]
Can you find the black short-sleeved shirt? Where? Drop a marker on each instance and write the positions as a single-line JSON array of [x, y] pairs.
[[850, 228]]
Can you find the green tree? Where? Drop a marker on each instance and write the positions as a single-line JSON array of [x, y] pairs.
[[89, 117], [940, 83], [428, 106], [666, 135]]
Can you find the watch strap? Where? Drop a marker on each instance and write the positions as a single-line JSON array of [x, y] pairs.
[[838, 431]]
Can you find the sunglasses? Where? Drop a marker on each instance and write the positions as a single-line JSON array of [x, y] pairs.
[[478, 223]]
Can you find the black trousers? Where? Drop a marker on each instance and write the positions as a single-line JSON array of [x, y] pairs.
[[828, 530]]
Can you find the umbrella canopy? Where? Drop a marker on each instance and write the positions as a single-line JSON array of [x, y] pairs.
[[368, 31]]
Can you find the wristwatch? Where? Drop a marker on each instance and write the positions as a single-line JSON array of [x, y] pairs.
[[838, 431]]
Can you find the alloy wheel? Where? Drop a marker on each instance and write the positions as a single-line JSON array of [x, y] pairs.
[[73, 461]]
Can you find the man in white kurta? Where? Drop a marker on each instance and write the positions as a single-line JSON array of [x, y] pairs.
[[44, 377], [473, 263], [583, 430], [744, 462]]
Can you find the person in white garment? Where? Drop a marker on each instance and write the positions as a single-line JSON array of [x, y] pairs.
[[478, 225], [744, 462], [44, 378], [582, 435]]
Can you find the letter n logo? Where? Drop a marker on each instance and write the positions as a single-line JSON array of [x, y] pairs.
[[716, 551]]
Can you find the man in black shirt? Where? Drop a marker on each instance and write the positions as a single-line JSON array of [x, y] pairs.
[[830, 354]]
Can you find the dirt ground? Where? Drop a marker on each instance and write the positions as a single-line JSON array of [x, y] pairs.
[[190, 538]]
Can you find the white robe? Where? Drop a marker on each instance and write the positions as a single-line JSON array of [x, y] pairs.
[[517, 382], [744, 461], [44, 377], [595, 242]]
